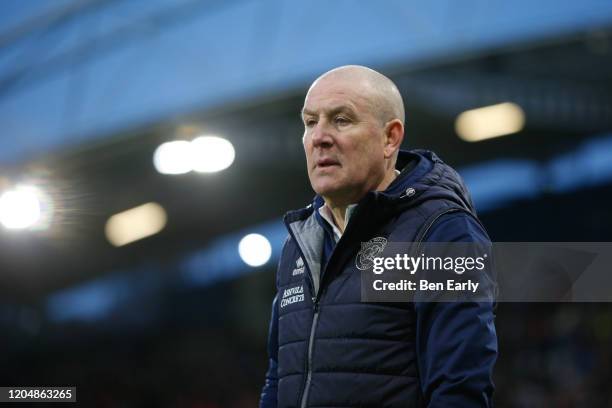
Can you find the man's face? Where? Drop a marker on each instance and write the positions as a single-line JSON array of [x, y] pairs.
[[343, 140]]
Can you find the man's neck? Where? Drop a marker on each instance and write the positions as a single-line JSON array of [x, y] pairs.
[[339, 216], [338, 211]]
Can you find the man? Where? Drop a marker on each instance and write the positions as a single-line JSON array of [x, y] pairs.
[[329, 349]]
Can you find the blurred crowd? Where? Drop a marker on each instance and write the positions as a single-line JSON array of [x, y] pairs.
[[550, 355], [554, 355]]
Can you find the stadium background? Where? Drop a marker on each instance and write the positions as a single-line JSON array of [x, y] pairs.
[[90, 89]]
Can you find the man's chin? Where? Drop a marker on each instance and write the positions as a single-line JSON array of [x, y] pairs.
[[330, 191], [326, 191]]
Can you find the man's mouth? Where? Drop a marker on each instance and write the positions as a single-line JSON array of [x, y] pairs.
[[326, 163]]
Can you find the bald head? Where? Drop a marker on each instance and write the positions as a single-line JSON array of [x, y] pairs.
[[380, 92]]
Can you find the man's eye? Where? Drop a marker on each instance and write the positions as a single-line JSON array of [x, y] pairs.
[[310, 122], [341, 120]]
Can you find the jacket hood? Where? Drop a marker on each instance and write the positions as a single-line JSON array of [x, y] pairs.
[[424, 176]]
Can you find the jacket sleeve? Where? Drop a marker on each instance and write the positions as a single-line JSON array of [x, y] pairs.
[[456, 341], [268, 397]]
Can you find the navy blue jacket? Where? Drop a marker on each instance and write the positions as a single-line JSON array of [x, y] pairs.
[[329, 349]]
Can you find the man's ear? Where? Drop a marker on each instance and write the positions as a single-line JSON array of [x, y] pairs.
[[394, 134]]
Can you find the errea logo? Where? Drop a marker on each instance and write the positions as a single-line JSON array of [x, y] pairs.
[[299, 267]]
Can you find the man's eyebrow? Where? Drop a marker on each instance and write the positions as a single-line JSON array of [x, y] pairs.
[[305, 111]]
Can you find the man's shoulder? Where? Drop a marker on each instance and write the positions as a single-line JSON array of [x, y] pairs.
[[459, 226]]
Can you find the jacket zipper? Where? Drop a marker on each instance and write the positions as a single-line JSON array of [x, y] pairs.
[[315, 319]]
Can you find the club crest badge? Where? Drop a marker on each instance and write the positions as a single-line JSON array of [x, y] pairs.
[[369, 250], [299, 267]]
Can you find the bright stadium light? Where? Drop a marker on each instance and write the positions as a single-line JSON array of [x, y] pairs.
[[211, 154], [135, 224], [173, 157], [204, 154], [20, 208], [490, 121], [255, 249]]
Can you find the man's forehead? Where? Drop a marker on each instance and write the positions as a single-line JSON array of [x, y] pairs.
[[334, 97]]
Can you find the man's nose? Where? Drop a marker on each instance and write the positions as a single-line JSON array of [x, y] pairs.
[[322, 135]]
